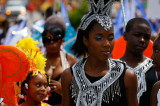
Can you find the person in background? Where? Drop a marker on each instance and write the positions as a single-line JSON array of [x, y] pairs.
[[98, 80], [4, 26], [38, 26], [13, 34], [137, 35], [57, 59], [120, 48], [155, 95]]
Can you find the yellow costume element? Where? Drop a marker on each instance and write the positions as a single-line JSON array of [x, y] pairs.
[[36, 58], [14, 66], [44, 104]]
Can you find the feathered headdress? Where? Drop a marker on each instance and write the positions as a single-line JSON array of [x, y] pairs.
[[36, 58], [15, 64], [98, 10], [14, 67]]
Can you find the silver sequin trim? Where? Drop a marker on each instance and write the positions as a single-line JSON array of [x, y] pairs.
[[140, 71], [99, 12], [92, 94]]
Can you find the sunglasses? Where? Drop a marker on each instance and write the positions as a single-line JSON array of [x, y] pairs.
[[47, 39]]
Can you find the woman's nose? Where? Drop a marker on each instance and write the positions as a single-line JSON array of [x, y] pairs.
[[106, 43], [51, 42], [43, 87]]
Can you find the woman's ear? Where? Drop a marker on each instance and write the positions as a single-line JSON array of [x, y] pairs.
[[25, 88], [85, 41], [125, 35]]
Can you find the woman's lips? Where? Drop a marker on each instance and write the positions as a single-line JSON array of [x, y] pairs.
[[106, 52], [140, 47], [41, 95]]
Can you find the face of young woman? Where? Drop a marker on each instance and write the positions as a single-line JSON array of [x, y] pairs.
[[100, 42], [156, 54], [37, 88], [53, 46], [138, 38]]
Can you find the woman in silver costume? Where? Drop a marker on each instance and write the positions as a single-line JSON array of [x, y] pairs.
[[98, 80]]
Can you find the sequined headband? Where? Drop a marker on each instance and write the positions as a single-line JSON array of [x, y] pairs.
[[98, 11]]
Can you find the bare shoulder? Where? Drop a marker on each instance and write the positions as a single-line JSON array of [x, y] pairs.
[[71, 59], [66, 75], [156, 86], [153, 97], [131, 84], [129, 74], [130, 78], [66, 79]]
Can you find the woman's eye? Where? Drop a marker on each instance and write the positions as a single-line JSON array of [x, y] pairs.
[[111, 38], [38, 85], [48, 37], [137, 35], [99, 38]]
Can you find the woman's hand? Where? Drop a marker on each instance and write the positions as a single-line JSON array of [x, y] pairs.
[[55, 86]]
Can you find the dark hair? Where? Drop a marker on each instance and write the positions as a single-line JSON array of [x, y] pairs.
[[78, 47], [105, 1], [55, 21], [135, 21], [54, 25], [30, 76], [50, 11]]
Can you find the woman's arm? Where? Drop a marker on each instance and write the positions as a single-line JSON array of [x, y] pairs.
[[153, 98], [130, 82], [71, 59], [66, 81]]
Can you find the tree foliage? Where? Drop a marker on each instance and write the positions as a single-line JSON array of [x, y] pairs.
[[76, 15]]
